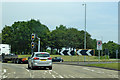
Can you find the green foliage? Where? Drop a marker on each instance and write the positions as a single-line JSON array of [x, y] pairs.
[[112, 47], [19, 37]]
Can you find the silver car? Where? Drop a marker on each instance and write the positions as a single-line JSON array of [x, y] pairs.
[[40, 59]]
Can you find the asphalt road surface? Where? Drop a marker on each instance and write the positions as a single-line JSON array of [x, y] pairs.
[[10, 70]]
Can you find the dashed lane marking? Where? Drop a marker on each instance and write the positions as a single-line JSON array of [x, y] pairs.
[[71, 76], [61, 76], [53, 76], [65, 76]]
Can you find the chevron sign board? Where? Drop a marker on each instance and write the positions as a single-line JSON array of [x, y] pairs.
[[88, 52], [67, 52]]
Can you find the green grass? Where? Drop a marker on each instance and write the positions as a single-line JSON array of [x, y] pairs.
[[107, 65], [23, 56], [73, 58]]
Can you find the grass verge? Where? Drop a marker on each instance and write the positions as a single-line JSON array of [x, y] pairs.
[[106, 65], [74, 58]]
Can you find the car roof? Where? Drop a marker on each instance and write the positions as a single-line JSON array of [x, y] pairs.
[[41, 52]]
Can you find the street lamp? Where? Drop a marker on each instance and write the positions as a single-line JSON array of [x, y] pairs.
[[85, 28]]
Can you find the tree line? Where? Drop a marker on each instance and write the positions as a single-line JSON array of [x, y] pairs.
[[18, 35]]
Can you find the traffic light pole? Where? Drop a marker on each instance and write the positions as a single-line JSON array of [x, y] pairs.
[[38, 44]]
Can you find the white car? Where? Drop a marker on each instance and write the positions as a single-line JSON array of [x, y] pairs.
[[40, 59]]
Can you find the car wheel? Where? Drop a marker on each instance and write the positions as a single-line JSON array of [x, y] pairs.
[[32, 68], [14, 60], [18, 61], [50, 68]]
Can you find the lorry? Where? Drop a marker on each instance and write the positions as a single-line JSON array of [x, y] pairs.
[[5, 49], [6, 55]]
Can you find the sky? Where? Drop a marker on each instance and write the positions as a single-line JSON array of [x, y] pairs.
[[102, 17]]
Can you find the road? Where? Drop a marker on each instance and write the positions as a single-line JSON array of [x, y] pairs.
[[10, 70]]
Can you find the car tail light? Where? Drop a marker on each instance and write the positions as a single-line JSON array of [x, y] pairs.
[[35, 58], [50, 58], [23, 59], [42, 53]]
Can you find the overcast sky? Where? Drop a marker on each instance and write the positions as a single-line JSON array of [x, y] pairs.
[[102, 17]]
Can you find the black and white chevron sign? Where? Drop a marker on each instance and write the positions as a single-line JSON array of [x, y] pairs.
[[67, 52], [88, 52]]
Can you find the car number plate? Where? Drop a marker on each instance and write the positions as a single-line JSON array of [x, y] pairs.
[[42, 60]]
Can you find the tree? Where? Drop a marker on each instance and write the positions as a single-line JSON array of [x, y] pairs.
[[112, 47], [19, 35], [57, 37]]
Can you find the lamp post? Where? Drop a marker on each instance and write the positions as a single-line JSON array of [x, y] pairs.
[[85, 28], [85, 32]]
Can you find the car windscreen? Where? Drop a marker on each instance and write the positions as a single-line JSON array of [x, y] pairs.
[[58, 57], [42, 55]]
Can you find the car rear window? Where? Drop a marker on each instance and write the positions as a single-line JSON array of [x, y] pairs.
[[42, 55]]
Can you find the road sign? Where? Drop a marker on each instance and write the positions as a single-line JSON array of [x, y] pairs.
[[67, 52], [99, 45], [88, 52]]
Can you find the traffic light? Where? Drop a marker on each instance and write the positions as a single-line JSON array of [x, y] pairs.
[[32, 45], [32, 36]]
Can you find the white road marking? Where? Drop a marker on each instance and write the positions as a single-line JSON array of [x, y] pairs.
[[4, 76], [55, 72], [4, 70], [92, 70], [116, 76], [100, 72], [53, 76], [61, 76], [45, 71], [71, 76], [86, 68], [14, 72], [27, 70], [66, 76], [49, 72]]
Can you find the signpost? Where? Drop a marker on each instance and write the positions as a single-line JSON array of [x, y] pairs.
[[99, 47]]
